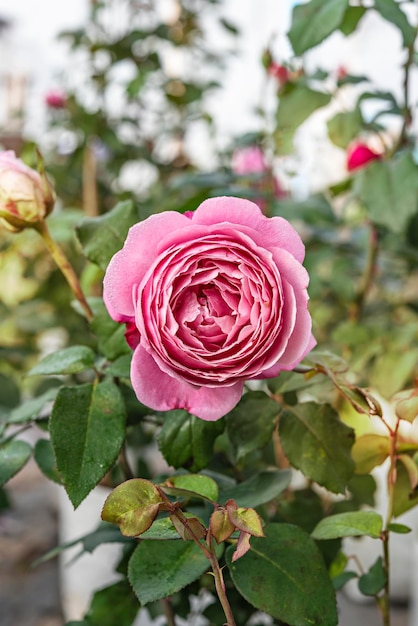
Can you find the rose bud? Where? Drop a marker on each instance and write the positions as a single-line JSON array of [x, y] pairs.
[[217, 297], [280, 72], [26, 196], [359, 154], [55, 99]]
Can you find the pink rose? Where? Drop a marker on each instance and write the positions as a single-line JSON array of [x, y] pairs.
[[251, 160], [248, 160], [26, 197], [210, 301], [55, 99], [359, 154]]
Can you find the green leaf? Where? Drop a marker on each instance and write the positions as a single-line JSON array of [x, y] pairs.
[[187, 441], [250, 425], [87, 430], [192, 485], [104, 533], [259, 489], [133, 506], [101, 237], [404, 497], [318, 443], [121, 367], [339, 581], [351, 18], [274, 578], [67, 361], [10, 392], [158, 569], [400, 529], [297, 103], [31, 409], [110, 335], [44, 456], [370, 450], [351, 524], [374, 580], [388, 191], [344, 127], [163, 529], [391, 11], [13, 456], [114, 604], [315, 21]]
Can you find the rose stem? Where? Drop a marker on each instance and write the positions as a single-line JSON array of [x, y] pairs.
[[65, 267], [369, 271], [211, 556]]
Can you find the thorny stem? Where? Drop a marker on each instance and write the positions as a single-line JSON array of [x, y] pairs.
[[220, 585], [384, 601], [209, 551], [369, 271], [406, 107], [124, 464], [65, 267], [168, 612]]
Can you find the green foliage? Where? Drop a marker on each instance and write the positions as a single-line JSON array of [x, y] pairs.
[[355, 524], [389, 191], [319, 450], [274, 578], [186, 441], [258, 489], [314, 21], [374, 580], [116, 602], [70, 360], [87, 432], [297, 103], [391, 11], [158, 569], [250, 425], [14, 455], [102, 236]]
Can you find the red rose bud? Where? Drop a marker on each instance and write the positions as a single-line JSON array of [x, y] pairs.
[[280, 72], [26, 196], [341, 72], [359, 155]]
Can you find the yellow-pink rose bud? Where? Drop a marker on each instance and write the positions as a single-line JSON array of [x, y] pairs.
[[26, 196]]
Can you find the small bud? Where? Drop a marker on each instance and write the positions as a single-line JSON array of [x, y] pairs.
[[359, 155], [55, 99], [279, 72], [26, 196]]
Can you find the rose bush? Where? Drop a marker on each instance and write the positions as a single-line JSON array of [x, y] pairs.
[[26, 197], [210, 299]]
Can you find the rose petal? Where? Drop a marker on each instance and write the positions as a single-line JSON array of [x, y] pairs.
[[162, 392], [129, 265], [274, 231]]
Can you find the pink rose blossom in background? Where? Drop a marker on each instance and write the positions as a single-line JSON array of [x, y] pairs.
[[251, 160], [210, 300], [56, 99], [359, 154]]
